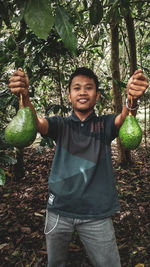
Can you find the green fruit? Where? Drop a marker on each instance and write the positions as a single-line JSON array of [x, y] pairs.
[[21, 131], [130, 133]]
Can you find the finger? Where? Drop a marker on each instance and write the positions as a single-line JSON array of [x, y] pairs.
[[137, 71], [135, 94], [135, 91], [140, 76], [18, 90], [19, 73], [16, 79], [138, 83], [17, 84]]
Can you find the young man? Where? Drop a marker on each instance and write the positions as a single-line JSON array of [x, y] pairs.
[[82, 192]]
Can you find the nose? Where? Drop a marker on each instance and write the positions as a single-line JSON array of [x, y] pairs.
[[83, 91]]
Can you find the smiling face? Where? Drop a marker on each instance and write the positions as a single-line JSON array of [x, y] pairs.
[[83, 95]]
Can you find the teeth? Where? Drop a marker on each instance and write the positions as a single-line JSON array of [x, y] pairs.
[[82, 101]]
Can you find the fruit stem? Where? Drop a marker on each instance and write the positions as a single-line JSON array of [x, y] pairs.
[[130, 114], [20, 99]]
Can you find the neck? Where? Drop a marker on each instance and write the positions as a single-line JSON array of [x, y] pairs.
[[82, 114]]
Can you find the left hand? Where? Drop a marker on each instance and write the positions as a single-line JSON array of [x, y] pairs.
[[137, 85]]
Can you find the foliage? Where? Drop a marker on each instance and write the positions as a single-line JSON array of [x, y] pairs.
[[5, 101], [40, 57], [42, 21], [64, 28], [75, 35]]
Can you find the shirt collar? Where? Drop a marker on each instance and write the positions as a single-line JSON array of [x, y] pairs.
[[75, 118]]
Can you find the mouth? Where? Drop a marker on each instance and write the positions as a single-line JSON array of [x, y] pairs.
[[82, 100]]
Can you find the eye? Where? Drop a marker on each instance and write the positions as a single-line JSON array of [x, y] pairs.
[[88, 87], [76, 88]]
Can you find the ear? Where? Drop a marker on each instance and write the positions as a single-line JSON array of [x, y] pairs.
[[97, 95], [69, 98]]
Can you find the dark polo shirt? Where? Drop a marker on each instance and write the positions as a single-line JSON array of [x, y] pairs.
[[81, 182]]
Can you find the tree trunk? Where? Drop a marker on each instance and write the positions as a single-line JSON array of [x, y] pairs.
[[132, 51], [132, 42], [19, 166], [149, 119], [59, 88], [145, 124], [117, 99]]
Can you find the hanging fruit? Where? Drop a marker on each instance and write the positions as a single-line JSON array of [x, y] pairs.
[[130, 133], [22, 130]]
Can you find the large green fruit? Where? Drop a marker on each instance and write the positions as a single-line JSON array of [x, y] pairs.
[[130, 133], [22, 130]]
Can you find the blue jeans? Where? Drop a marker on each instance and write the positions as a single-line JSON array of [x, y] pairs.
[[97, 236]]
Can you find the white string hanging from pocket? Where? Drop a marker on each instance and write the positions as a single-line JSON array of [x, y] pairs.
[[46, 233]]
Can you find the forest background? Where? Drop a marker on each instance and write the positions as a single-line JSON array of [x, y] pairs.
[[49, 39]]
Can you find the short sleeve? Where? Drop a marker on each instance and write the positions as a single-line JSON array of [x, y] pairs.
[[111, 130], [54, 127]]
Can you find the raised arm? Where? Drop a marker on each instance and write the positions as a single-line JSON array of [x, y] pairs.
[[19, 84], [136, 87]]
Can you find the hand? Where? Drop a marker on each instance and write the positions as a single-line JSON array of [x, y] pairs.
[[137, 85], [19, 83]]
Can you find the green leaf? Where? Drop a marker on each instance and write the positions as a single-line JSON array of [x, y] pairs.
[[96, 12], [2, 177], [39, 18], [7, 159], [64, 29], [11, 44]]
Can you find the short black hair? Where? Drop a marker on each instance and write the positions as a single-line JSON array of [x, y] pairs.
[[86, 72]]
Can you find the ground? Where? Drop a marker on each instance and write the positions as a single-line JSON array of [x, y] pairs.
[[22, 213]]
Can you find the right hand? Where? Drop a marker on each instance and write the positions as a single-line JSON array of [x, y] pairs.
[[19, 83]]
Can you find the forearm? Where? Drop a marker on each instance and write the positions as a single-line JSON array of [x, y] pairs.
[[27, 103], [42, 124], [136, 87], [19, 84], [125, 112]]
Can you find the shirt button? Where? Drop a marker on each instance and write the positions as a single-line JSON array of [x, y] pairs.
[[82, 124]]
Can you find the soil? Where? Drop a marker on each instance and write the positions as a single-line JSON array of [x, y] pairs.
[[23, 203]]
